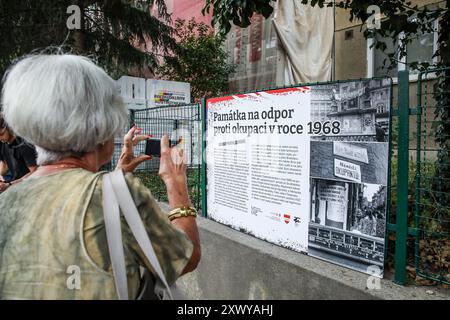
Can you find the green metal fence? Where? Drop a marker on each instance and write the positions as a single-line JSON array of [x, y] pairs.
[[432, 178], [175, 121], [419, 188], [422, 219], [399, 187], [419, 217]]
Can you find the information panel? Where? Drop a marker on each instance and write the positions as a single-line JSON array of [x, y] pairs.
[[305, 168], [258, 164]]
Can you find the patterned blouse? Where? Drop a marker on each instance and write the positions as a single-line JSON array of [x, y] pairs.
[[53, 241]]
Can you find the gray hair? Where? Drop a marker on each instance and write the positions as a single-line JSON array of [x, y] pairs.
[[63, 104]]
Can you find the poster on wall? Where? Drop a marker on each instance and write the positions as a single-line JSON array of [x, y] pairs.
[[162, 93], [132, 91], [258, 164], [305, 168]]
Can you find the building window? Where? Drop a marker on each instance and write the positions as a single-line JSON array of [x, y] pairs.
[[420, 50], [381, 61]]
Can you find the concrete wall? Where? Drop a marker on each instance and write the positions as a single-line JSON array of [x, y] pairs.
[[237, 266], [351, 54]]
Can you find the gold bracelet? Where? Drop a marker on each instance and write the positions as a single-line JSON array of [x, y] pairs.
[[182, 212]]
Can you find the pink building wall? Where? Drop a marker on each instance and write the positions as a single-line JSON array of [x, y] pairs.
[[180, 9], [187, 9]]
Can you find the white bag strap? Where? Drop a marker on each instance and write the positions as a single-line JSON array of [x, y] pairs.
[[111, 215], [136, 225]]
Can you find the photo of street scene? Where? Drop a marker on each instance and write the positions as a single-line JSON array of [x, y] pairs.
[[350, 161], [359, 208], [349, 173], [348, 223]]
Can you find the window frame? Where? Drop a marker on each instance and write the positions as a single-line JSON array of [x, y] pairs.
[[401, 66]]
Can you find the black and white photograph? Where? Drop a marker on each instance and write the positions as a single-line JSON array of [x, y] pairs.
[[349, 173], [348, 222], [359, 208], [361, 108], [362, 162]]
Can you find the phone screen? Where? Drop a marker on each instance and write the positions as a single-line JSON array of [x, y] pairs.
[[153, 147]]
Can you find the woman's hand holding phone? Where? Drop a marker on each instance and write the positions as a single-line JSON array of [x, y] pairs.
[[127, 161], [172, 170]]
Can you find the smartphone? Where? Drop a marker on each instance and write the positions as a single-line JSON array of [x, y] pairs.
[[153, 147]]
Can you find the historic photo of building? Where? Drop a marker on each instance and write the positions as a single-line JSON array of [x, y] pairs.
[[361, 107]]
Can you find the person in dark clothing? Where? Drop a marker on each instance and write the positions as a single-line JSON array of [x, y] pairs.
[[5, 174], [15, 154], [379, 133]]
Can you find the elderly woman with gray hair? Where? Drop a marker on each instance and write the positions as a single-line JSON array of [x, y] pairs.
[[70, 109]]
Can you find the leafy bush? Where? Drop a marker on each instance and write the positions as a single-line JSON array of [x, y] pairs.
[[154, 183]]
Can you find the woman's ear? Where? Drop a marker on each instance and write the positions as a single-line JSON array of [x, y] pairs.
[[105, 151]]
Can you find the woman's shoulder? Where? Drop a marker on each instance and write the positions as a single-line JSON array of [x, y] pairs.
[[138, 190], [59, 181], [135, 184]]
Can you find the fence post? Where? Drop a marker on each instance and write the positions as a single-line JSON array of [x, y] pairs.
[[203, 156], [402, 178]]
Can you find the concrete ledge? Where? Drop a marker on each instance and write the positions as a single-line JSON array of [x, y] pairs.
[[238, 266]]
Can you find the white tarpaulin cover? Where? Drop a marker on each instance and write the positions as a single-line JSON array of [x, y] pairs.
[[305, 34]]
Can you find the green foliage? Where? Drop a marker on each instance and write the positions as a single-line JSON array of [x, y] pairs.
[[111, 31], [200, 59], [442, 133], [399, 18], [434, 214], [154, 183], [238, 11]]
